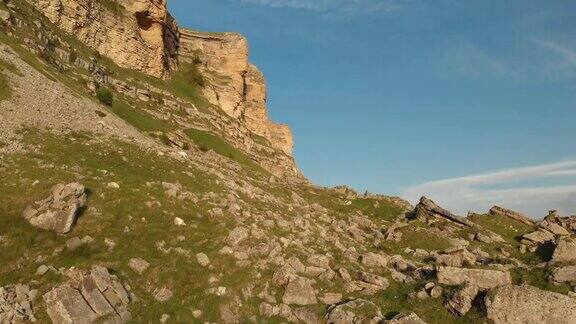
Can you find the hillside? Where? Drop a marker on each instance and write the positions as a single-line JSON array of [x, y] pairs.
[[141, 180]]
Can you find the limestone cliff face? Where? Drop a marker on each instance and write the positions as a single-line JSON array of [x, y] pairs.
[[237, 86], [136, 34]]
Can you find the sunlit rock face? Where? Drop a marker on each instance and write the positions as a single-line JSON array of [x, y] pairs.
[[138, 35]]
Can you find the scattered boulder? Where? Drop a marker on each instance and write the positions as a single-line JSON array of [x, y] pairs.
[[238, 235], [456, 257], [138, 265], [564, 274], [299, 291], [163, 294], [60, 210], [484, 279], [538, 237], [179, 221], [87, 297], [373, 260], [429, 209], [461, 300], [353, 311], [16, 304], [406, 318], [565, 251], [202, 259], [527, 304]]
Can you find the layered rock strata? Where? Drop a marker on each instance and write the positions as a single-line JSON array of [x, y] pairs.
[[138, 35], [236, 85]]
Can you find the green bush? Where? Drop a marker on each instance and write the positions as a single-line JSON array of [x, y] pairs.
[[105, 96]]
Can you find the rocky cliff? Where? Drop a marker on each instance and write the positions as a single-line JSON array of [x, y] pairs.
[[235, 85], [138, 35], [142, 35]]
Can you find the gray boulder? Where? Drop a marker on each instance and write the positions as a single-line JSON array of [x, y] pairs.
[[527, 304], [565, 251], [484, 279], [60, 210], [354, 311], [87, 297], [299, 291]]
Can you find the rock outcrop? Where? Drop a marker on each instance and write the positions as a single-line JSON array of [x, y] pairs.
[[138, 35], [235, 85], [428, 209], [500, 211], [526, 304], [59, 211], [87, 297]]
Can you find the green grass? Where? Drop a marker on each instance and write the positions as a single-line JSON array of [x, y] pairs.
[[212, 142], [138, 118], [510, 230]]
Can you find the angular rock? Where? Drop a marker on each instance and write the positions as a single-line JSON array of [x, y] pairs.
[[373, 260], [202, 259], [457, 257], [484, 279], [527, 304], [403, 318], [429, 209], [138, 265], [59, 211], [554, 228], [87, 297], [353, 311], [564, 274], [461, 300], [500, 211], [565, 251], [299, 291], [238, 235], [538, 237]]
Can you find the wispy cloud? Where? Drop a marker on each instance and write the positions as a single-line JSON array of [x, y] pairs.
[[470, 60], [567, 54], [335, 7], [477, 192]]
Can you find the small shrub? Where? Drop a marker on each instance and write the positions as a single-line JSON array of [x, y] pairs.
[[100, 114], [105, 96], [164, 139], [186, 146], [73, 57], [204, 148], [196, 60]]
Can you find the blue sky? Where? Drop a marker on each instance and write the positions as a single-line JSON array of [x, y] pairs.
[[472, 103]]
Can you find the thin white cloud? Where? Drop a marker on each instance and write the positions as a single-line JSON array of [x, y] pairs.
[[477, 192], [335, 7], [470, 60], [567, 54]]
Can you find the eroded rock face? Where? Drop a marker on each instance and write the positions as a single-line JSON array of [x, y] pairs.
[[59, 211], [139, 34], [237, 86], [526, 304], [87, 297]]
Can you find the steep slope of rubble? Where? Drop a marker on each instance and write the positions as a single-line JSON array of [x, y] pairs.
[[166, 206]]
